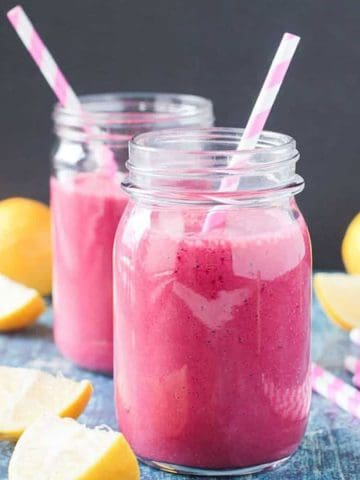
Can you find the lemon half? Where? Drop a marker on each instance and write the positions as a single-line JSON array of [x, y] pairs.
[[350, 249], [25, 243]]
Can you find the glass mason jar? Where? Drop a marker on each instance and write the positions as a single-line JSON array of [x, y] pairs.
[[212, 318], [87, 203]]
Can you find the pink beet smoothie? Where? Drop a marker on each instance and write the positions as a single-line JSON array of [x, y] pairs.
[[212, 337], [86, 210]]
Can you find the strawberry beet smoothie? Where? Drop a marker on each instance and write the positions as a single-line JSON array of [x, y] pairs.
[[86, 210], [89, 161], [212, 335]]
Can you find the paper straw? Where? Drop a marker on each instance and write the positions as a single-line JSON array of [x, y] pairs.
[[43, 58], [334, 389], [52, 73], [258, 117], [353, 365], [355, 336], [356, 380]]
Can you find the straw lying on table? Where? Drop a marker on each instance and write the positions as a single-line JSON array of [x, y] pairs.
[[258, 117], [335, 390], [353, 365], [54, 76]]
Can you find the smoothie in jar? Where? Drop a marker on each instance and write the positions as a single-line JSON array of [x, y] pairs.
[[212, 329], [86, 211], [87, 204]]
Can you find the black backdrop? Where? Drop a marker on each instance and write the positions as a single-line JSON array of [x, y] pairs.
[[217, 48]]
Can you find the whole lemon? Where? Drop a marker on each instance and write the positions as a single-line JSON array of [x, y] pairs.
[[25, 243], [351, 246]]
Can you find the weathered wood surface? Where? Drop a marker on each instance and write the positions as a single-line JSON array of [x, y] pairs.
[[330, 450]]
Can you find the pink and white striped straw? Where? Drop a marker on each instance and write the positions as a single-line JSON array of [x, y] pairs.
[[43, 58], [53, 75], [355, 336], [356, 380], [258, 117], [352, 364], [334, 389]]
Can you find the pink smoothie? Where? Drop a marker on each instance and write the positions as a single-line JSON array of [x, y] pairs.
[[86, 210], [212, 336]]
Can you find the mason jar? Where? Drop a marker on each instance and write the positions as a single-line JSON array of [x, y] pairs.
[[87, 203], [212, 294]]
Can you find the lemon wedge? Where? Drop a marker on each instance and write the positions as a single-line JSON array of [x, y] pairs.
[[27, 394], [339, 296], [56, 448], [19, 305]]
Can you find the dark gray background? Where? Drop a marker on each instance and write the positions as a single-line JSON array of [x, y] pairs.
[[217, 48]]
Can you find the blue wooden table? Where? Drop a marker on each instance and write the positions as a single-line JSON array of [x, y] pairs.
[[330, 450]]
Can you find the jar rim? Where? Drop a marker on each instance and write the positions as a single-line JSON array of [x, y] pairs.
[[134, 109], [271, 146], [194, 163]]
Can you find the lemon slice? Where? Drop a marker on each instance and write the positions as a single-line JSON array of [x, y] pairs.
[[61, 449], [339, 296], [19, 305], [27, 394]]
